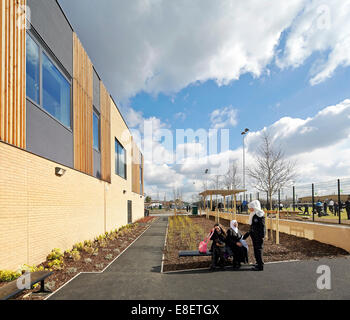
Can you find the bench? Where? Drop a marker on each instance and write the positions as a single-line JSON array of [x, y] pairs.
[[10, 290], [195, 253]]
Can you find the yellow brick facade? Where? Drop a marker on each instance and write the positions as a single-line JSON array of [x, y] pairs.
[[40, 211]]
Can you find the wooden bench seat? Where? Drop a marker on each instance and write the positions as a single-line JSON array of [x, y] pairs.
[[10, 290]]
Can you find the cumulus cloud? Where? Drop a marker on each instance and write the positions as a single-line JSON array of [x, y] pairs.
[[163, 46], [321, 27], [224, 118], [328, 127]]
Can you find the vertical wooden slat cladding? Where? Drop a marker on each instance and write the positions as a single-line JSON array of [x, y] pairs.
[[137, 162], [105, 118], [82, 108], [142, 165], [12, 78]]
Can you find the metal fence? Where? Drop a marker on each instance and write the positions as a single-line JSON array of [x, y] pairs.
[[325, 201]]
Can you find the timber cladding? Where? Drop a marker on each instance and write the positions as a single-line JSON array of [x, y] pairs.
[[12, 69], [82, 108], [137, 162], [105, 118]]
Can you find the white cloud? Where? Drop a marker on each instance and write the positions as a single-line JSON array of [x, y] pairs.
[[181, 116], [163, 46], [223, 118], [328, 127], [321, 27]]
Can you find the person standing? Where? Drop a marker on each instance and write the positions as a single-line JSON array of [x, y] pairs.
[[257, 232], [325, 206], [319, 208], [347, 207], [336, 208], [331, 206]]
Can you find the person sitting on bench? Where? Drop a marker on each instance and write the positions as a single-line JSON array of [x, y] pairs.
[[218, 247], [236, 246]]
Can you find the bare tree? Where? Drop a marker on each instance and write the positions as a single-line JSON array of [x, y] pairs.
[[231, 180], [272, 171], [217, 183]]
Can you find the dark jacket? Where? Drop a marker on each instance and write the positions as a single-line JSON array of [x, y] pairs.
[[257, 228], [232, 237], [219, 239], [347, 204]]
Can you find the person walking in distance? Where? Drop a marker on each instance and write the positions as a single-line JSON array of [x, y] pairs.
[[331, 206], [257, 232], [347, 207]]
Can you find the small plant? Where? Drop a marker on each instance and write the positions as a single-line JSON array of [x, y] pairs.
[[75, 255], [72, 270], [56, 264], [55, 254], [89, 250], [8, 276], [79, 246], [109, 257]]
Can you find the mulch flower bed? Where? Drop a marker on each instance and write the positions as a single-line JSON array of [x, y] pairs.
[[290, 248], [99, 257]]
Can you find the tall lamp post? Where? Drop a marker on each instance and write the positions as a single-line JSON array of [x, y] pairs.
[[246, 130]]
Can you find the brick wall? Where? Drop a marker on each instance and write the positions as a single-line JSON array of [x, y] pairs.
[[40, 211]]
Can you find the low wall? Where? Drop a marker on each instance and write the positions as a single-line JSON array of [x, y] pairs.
[[336, 235]]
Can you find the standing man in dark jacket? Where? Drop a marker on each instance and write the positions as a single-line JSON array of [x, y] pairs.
[[257, 232]]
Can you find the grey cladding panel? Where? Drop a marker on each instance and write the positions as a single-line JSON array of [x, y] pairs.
[[51, 24], [48, 138], [97, 164]]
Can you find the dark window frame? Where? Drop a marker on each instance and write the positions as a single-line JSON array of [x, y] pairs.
[[44, 50], [116, 153]]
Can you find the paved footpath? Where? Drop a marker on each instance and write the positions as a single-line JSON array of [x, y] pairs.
[[136, 275]]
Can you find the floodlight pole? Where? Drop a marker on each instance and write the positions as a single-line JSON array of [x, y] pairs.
[[244, 134]]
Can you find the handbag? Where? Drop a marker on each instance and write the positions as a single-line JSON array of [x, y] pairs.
[[203, 245]]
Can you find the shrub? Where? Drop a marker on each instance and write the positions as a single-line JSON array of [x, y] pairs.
[[75, 255], [56, 264], [89, 250], [8, 276], [79, 246], [55, 254]]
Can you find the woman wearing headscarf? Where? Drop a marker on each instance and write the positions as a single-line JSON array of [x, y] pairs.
[[236, 246], [257, 232], [218, 247]]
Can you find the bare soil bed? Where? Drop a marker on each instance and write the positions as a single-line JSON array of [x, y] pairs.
[[290, 248], [89, 262]]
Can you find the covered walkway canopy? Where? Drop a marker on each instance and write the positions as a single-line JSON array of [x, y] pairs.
[[224, 193]]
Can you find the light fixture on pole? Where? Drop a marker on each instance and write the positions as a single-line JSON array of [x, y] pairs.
[[246, 130]]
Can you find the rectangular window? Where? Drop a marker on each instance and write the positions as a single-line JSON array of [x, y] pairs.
[[120, 160], [33, 70], [56, 92], [45, 83], [96, 131]]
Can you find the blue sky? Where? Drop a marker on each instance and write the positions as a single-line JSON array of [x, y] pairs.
[[260, 102], [232, 65]]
